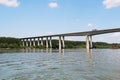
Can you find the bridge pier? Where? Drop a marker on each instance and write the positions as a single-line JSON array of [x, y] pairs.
[[34, 42], [50, 42], [42, 41], [30, 42], [63, 42], [26, 42], [89, 44], [47, 43], [60, 43], [38, 42]]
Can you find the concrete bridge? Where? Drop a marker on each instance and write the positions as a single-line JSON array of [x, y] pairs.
[[30, 41]]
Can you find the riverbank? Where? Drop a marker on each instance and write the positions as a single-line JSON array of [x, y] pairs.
[[14, 43]]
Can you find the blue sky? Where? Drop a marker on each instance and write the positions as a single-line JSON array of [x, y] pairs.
[[23, 18]]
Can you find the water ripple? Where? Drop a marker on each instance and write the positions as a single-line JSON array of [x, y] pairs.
[[72, 65]]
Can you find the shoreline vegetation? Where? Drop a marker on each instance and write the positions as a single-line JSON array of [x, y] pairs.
[[14, 43]]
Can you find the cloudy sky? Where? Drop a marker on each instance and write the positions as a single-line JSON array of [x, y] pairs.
[[23, 18]]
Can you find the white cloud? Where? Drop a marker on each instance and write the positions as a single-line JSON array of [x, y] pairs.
[[111, 3], [91, 25], [10, 3], [53, 4]]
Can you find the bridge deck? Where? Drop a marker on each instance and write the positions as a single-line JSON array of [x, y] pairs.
[[93, 32]]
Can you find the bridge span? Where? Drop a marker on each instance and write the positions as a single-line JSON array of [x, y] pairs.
[[30, 41]]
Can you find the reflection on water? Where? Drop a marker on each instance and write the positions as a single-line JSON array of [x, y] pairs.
[[35, 64], [41, 50]]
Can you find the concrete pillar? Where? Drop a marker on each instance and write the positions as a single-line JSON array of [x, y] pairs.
[[46, 42], [38, 42], [50, 42], [30, 42], [63, 42], [87, 43], [60, 47], [34, 42], [91, 45], [26, 42], [41, 41]]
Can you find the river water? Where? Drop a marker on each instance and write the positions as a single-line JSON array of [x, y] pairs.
[[76, 64]]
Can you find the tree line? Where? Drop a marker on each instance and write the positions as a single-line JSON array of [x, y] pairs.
[[9, 42]]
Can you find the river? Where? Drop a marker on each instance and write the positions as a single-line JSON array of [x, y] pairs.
[[70, 64]]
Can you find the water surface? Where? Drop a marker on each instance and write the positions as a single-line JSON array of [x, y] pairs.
[[76, 64]]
